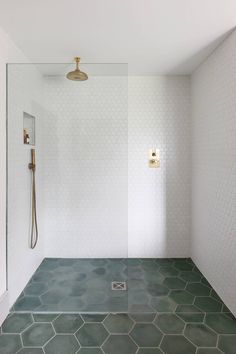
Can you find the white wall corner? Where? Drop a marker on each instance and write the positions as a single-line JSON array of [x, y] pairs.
[[4, 306]]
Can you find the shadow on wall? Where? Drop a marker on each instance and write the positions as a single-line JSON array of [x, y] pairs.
[[191, 63], [159, 198], [177, 160]]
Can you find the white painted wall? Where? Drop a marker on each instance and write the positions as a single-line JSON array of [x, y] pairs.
[[159, 199], [214, 170]]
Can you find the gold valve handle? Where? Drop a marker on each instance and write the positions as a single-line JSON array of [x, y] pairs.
[[32, 164]]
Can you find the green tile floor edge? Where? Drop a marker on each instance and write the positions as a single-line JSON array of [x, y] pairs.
[[117, 334], [185, 315], [84, 285]]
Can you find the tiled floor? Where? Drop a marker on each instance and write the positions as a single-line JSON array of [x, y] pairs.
[[171, 309], [84, 285], [170, 333]]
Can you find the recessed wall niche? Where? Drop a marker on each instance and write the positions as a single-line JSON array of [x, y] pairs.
[[28, 129]]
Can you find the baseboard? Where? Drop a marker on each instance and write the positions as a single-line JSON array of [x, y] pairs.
[[4, 306]]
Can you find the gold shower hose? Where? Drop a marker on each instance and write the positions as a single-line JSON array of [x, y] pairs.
[[34, 224]]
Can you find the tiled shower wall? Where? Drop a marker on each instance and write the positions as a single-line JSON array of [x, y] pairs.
[[88, 170], [25, 263], [85, 157], [214, 169], [159, 199]]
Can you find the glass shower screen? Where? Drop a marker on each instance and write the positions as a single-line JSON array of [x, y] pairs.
[[81, 153]]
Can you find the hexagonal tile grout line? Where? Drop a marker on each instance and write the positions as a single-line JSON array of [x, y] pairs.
[[173, 277], [116, 333]]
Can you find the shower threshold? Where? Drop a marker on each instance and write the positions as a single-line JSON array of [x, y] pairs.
[[85, 286]]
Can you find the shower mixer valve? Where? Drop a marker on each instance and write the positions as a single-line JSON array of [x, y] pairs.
[[154, 158]]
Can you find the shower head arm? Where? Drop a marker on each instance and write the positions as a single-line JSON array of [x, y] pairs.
[[77, 60]]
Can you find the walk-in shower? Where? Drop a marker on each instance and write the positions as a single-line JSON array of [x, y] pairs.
[[110, 271], [77, 227]]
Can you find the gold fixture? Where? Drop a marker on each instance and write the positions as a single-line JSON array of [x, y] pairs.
[[154, 158], [77, 75], [34, 224]]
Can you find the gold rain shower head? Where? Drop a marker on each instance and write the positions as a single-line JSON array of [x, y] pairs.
[[77, 75]]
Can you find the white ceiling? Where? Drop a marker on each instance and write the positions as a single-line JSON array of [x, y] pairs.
[[152, 36]]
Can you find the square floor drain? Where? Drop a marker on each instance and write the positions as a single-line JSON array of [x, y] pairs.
[[118, 285]]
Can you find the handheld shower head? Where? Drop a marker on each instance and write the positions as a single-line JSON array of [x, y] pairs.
[[77, 74]]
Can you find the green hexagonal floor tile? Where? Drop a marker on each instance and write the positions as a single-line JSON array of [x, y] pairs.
[[41, 276], [157, 289], [149, 351], [54, 296], [70, 303], [44, 317], [163, 304], [181, 297], [221, 323], [174, 283], [27, 303], [208, 351], [117, 344], [139, 308], [97, 262], [161, 262], [188, 309], [67, 323], [90, 351], [200, 335], [198, 289], [49, 264], [215, 295], [146, 335], [92, 335], [143, 317], [118, 323], [35, 289], [183, 265], [10, 343], [191, 317], [93, 317], [153, 277], [61, 344], [208, 304], [169, 323], [190, 276], [152, 266], [31, 351], [205, 282], [132, 262], [168, 271], [177, 344], [16, 323], [37, 334], [225, 309], [227, 344]]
